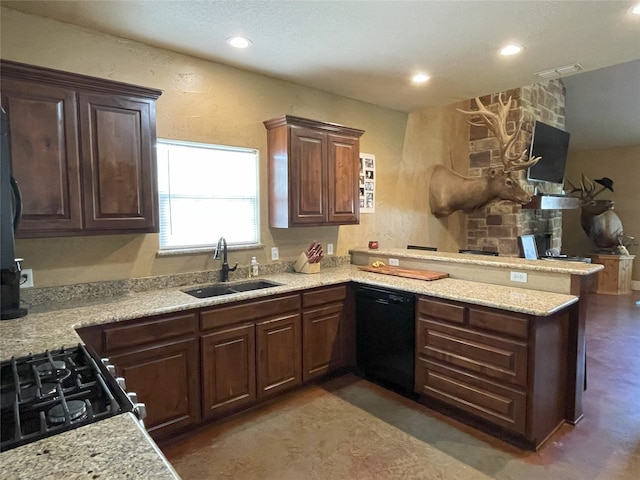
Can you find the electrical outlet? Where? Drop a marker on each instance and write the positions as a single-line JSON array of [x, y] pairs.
[[275, 255], [519, 277], [329, 248], [394, 262], [26, 278]]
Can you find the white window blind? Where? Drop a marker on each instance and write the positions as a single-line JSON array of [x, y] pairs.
[[205, 192]]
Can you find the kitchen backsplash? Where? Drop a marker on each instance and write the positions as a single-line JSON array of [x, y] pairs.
[[35, 297]]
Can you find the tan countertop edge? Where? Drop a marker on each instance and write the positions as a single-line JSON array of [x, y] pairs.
[[51, 328], [550, 266]]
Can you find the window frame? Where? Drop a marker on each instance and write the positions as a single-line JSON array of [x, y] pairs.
[[197, 248]]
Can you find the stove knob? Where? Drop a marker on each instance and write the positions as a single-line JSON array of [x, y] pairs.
[[133, 397], [141, 408], [121, 383], [110, 368]]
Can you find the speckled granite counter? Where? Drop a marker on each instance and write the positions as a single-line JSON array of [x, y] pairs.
[[114, 448], [49, 327], [555, 276], [442, 258]]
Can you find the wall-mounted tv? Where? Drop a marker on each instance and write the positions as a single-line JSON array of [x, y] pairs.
[[552, 145]]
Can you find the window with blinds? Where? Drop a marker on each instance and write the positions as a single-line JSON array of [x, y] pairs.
[[205, 192]]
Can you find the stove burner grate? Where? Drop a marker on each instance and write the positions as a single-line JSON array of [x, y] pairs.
[[71, 411], [55, 391]]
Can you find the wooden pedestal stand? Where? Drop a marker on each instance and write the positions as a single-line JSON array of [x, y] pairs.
[[615, 279]]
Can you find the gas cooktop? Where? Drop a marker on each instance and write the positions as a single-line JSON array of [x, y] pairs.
[[56, 391]]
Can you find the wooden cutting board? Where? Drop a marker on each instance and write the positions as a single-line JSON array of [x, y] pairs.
[[406, 272]]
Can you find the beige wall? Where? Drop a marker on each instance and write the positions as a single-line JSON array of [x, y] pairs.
[[207, 102], [622, 165]]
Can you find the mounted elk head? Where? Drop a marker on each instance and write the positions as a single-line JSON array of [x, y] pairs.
[[449, 191], [597, 218]]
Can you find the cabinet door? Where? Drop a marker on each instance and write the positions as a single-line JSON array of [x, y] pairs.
[[228, 370], [45, 161], [166, 379], [279, 361], [323, 345], [118, 152], [308, 179], [343, 184]]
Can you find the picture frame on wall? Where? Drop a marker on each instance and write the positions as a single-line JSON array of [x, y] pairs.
[[367, 183]]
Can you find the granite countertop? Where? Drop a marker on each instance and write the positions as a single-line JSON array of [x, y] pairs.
[[52, 326], [543, 265], [114, 448]]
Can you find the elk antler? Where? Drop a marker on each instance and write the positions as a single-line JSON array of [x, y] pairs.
[[586, 190], [497, 123], [572, 188]]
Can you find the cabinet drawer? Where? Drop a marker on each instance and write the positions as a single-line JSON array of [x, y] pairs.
[[325, 295], [255, 310], [483, 353], [445, 311], [149, 331], [499, 405], [513, 324]]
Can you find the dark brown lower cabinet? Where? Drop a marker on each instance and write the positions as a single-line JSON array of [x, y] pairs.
[[166, 379], [158, 358], [506, 369], [502, 371], [491, 401], [228, 370], [279, 359], [325, 331]]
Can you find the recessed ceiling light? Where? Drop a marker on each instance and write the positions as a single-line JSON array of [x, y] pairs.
[[636, 9], [420, 78], [238, 42], [511, 49]]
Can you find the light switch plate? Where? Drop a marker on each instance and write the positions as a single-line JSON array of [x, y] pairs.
[[275, 255], [394, 262], [329, 248]]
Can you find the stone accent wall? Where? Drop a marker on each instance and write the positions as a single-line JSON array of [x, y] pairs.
[[545, 102], [497, 226]]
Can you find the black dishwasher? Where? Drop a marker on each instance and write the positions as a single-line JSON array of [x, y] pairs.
[[385, 338]]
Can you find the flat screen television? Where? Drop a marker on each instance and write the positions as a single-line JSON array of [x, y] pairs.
[[552, 144]]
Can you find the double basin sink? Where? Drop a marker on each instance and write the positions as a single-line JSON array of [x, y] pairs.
[[229, 288]]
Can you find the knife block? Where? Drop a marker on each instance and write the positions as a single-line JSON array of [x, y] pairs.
[[302, 265]]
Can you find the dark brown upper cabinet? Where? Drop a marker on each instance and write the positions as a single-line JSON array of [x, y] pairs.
[[83, 152], [313, 173]]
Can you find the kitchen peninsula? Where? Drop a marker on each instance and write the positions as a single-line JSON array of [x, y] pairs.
[[49, 327]]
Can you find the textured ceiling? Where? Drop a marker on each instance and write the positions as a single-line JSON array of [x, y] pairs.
[[367, 50]]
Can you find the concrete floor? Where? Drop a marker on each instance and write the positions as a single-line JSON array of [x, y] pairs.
[[348, 428]]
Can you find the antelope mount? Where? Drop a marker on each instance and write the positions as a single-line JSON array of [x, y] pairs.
[[449, 191]]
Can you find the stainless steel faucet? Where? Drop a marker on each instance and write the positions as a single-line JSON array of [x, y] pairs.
[[222, 245]]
